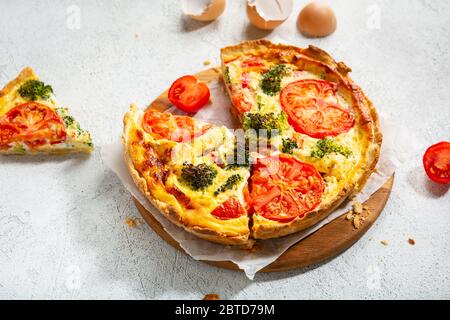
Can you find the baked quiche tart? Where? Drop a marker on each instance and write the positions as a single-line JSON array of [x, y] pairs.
[[310, 139], [32, 121]]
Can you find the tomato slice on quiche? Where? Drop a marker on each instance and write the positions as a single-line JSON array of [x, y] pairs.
[[313, 108], [283, 188], [172, 127], [31, 120]]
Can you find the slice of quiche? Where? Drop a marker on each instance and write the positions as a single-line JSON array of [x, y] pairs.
[[326, 142], [32, 121], [181, 165]]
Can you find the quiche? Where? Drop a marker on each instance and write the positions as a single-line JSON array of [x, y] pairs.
[[32, 121], [310, 139], [179, 164]]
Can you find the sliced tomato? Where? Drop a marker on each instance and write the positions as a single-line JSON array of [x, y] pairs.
[[313, 109], [189, 94], [7, 134], [181, 197], [172, 127], [245, 79], [32, 123], [253, 62], [240, 103], [230, 209], [436, 162], [283, 188]]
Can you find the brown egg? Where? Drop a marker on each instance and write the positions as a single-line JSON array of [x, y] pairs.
[[273, 13], [211, 10], [316, 20]]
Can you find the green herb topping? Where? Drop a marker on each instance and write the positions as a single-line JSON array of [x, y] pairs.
[[198, 177], [68, 120], [327, 146], [229, 184], [271, 81], [35, 89], [226, 75], [289, 145], [267, 121]]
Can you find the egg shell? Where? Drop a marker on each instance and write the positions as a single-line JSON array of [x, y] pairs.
[[211, 12], [260, 21]]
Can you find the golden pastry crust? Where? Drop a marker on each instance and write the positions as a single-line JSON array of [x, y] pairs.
[[368, 122], [154, 191]]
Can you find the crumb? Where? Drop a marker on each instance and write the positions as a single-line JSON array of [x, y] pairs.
[[384, 242], [136, 35], [211, 296], [357, 222], [349, 215], [255, 248], [411, 241], [357, 207], [366, 208], [206, 62], [132, 222]]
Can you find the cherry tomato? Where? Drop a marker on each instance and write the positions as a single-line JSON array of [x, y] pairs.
[[189, 94], [283, 188], [436, 162], [230, 209], [313, 109]]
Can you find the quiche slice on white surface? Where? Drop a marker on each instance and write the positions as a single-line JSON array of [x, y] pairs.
[[33, 122]]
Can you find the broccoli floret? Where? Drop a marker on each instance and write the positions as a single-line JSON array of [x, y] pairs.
[[35, 89], [226, 75], [268, 121], [229, 184], [327, 146], [68, 120], [289, 145], [198, 177], [271, 81]]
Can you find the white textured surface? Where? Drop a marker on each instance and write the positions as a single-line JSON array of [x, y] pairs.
[[71, 241]]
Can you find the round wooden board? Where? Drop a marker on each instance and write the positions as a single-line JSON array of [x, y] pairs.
[[324, 244]]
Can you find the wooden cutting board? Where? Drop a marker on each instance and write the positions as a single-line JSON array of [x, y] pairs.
[[324, 244]]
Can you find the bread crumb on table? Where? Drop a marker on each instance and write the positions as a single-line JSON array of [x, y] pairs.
[[211, 296], [206, 62], [132, 222], [411, 241], [384, 242]]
